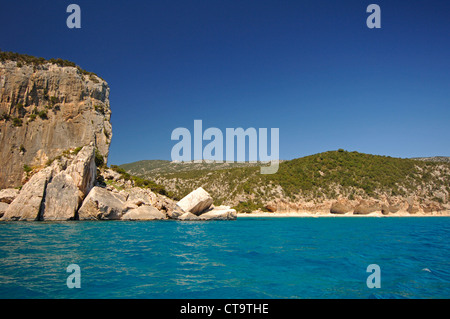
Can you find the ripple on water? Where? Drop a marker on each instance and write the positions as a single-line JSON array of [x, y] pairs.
[[247, 258]]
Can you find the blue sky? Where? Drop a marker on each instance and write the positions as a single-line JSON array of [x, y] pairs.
[[310, 68]]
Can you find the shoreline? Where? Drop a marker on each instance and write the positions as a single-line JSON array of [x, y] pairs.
[[318, 215]]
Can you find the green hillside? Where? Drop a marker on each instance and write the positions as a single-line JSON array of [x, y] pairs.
[[317, 177], [158, 167]]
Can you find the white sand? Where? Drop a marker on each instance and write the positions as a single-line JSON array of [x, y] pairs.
[[308, 214]]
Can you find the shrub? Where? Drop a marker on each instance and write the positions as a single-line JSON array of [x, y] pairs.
[[25, 59], [118, 169], [43, 114], [99, 108], [77, 150], [54, 100], [27, 168], [32, 117], [5, 117], [17, 122], [247, 207], [99, 160]]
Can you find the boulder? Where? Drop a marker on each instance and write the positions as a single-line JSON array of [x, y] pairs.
[[385, 209], [175, 212], [138, 197], [219, 214], [196, 202], [394, 208], [27, 205], [366, 207], [101, 204], [83, 170], [271, 207], [144, 213], [413, 209], [8, 195], [188, 217], [166, 205], [3, 208], [430, 206], [341, 206], [110, 174], [61, 199]]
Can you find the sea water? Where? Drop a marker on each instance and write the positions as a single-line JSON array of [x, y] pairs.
[[246, 258]]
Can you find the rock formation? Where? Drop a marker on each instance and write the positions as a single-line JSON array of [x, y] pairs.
[[45, 109], [196, 202], [56, 192], [341, 206]]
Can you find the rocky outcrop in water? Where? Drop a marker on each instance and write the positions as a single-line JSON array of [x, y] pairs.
[[54, 125], [55, 192], [69, 189]]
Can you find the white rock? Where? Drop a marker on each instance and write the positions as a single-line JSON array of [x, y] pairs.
[[61, 200], [196, 202], [219, 214], [3, 208], [83, 170], [102, 204], [138, 196], [8, 195], [188, 216], [110, 174], [144, 213], [27, 205]]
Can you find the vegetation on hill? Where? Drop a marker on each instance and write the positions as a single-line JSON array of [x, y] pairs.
[[142, 182], [312, 178], [158, 167], [25, 59]]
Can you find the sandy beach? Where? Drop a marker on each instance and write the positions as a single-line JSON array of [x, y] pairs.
[[375, 214]]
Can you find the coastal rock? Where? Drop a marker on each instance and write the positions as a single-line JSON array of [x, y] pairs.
[[196, 202], [110, 174], [366, 207], [62, 198], [28, 204], [8, 195], [413, 208], [3, 208], [394, 208], [188, 217], [144, 213], [138, 197], [73, 109], [385, 210], [83, 170], [101, 204], [430, 207], [219, 214], [175, 213], [341, 206], [271, 207]]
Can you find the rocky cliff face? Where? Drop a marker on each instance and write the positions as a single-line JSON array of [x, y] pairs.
[[46, 109]]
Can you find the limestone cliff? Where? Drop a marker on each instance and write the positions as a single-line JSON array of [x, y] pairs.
[[45, 109]]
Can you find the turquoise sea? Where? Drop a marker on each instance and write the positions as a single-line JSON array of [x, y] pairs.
[[246, 258]]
